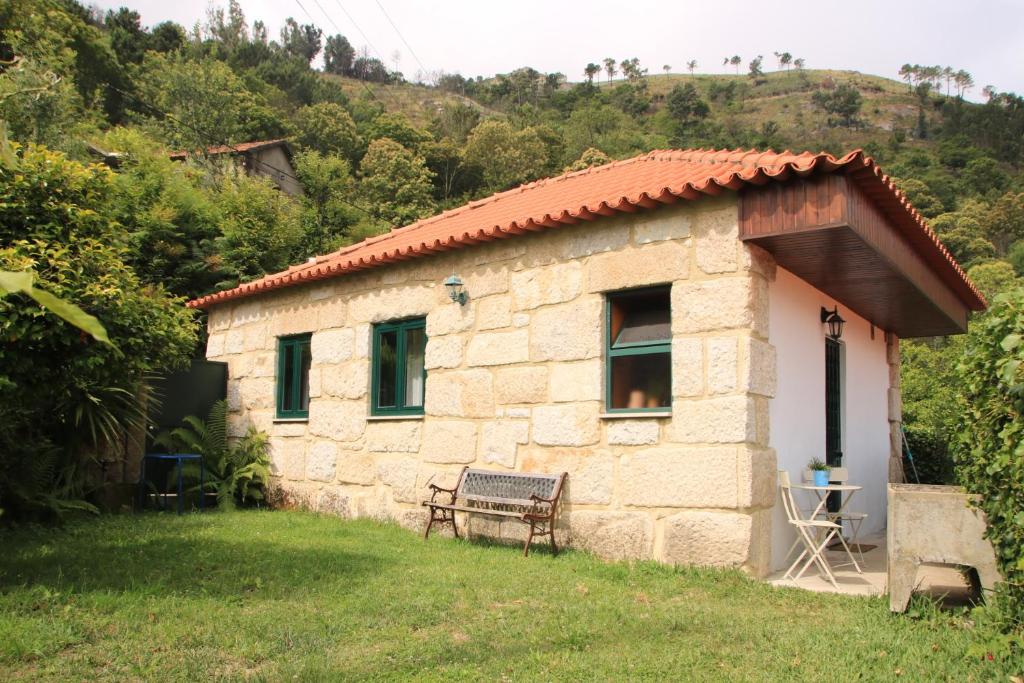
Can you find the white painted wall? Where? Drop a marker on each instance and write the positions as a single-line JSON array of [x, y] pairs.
[[797, 412]]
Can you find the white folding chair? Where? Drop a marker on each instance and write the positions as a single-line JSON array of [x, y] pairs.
[[813, 534], [841, 475]]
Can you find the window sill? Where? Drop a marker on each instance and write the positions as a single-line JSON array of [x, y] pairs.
[[639, 415], [392, 418], [285, 420]]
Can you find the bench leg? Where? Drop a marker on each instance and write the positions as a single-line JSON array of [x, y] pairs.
[[529, 539], [446, 516], [551, 533]]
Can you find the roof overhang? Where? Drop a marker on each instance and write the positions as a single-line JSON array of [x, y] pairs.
[[830, 231]]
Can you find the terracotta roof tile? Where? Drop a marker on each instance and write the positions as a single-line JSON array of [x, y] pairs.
[[643, 182], [229, 149]]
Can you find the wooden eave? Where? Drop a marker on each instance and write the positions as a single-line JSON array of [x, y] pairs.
[[830, 231]]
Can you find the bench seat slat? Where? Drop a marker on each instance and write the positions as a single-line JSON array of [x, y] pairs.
[[482, 511]]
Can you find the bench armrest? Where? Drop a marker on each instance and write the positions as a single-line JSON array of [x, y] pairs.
[[435, 489]]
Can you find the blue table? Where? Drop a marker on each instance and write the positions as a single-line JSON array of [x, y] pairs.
[[179, 459]]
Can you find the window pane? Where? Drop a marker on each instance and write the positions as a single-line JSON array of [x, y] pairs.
[[387, 364], [287, 375], [415, 345], [305, 359], [641, 317], [642, 381]]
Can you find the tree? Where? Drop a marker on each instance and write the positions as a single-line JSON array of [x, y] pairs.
[[506, 156], [230, 30], [667, 68], [455, 120], [609, 68], [338, 55], [300, 40], [260, 227], [907, 73], [842, 104], [755, 67], [736, 61], [327, 128], [786, 59], [327, 215], [921, 196], [799, 63], [395, 126], [631, 69], [591, 70], [127, 36], [167, 36], [691, 66], [64, 398], [590, 157], [396, 182], [964, 82], [685, 105]]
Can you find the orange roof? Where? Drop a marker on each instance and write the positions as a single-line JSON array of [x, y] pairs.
[[240, 148], [643, 182]]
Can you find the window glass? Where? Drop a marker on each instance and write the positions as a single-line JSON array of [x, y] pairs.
[[639, 350], [388, 369], [288, 397], [305, 360], [415, 346]]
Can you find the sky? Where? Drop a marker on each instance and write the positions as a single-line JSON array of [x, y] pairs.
[[481, 37]]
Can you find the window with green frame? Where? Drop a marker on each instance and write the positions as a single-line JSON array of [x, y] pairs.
[[293, 360], [399, 374], [639, 351]]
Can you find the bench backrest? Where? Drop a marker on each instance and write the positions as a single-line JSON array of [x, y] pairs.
[[507, 487]]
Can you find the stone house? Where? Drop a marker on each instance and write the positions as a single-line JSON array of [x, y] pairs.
[[267, 158], [653, 327]]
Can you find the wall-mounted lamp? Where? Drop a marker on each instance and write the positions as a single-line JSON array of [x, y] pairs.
[[455, 291], [834, 321]]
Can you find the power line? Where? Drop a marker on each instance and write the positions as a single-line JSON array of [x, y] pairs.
[[233, 147], [406, 42]]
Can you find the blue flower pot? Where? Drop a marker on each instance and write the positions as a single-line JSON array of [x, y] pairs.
[[821, 477]]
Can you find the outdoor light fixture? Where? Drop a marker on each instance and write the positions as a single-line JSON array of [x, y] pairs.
[[834, 321], [454, 286]]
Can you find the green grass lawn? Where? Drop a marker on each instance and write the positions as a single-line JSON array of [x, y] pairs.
[[289, 595]]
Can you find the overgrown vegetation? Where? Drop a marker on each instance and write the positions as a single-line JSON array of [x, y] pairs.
[[990, 444], [286, 595]]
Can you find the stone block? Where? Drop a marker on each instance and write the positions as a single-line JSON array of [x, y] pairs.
[[520, 319], [723, 364], [687, 366], [363, 333], [234, 341], [331, 500], [663, 225], [450, 318], [591, 472], [612, 535], [498, 348], [500, 440], [392, 303], [257, 393], [332, 346], [494, 312], [444, 352], [726, 419], [218, 318], [722, 304], [337, 420], [264, 364], [400, 475], [320, 460], [521, 385], [288, 458], [571, 424], [215, 344], [331, 313], [394, 436], [246, 312], [234, 395], [652, 264], [449, 441], [550, 284], [608, 234], [567, 332], [755, 259], [349, 380], [579, 381], [758, 373], [486, 281], [293, 320], [633, 432], [462, 393], [256, 338], [757, 474], [356, 467], [680, 477], [716, 239], [701, 538]]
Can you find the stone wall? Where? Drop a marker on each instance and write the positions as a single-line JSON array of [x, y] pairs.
[[515, 380]]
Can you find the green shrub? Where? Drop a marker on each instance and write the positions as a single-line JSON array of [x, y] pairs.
[[990, 445]]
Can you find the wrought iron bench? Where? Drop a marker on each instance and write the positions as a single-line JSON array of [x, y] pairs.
[[531, 498]]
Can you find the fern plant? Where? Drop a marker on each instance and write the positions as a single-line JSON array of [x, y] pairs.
[[236, 471]]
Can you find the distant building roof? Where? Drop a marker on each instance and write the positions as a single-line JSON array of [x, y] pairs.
[[643, 182], [240, 148]]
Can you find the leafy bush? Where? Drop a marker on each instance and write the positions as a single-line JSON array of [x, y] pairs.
[[990, 447], [237, 472], [61, 392]]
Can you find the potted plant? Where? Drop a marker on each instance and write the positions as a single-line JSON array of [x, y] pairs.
[[820, 471]]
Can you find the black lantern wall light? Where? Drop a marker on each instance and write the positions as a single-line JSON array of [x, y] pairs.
[[834, 321]]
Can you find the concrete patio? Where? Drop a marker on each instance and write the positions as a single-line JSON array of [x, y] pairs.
[[937, 581]]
